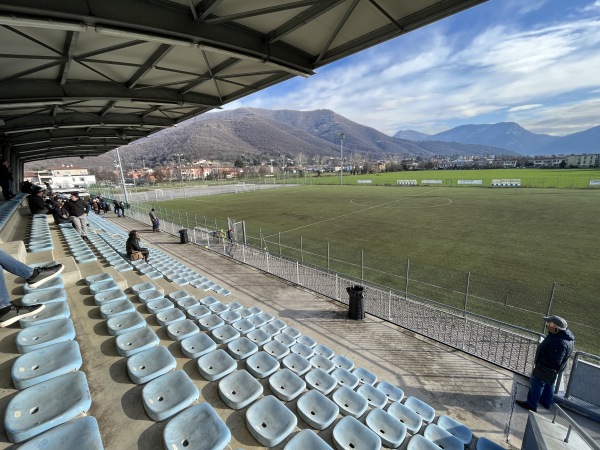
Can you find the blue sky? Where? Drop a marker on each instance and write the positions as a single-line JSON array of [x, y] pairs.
[[534, 62]]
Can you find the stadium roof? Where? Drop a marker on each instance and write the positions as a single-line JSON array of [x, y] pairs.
[[82, 77]]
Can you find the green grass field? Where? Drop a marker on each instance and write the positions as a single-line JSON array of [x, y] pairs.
[[514, 242]]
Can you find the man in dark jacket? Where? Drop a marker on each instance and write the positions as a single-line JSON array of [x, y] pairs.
[[551, 359], [6, 179], [77, 210], [37, 205]]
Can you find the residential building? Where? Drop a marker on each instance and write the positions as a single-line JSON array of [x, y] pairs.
[[62, 178], [583, 160]]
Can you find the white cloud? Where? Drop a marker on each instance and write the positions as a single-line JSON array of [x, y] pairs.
[[524, 107]]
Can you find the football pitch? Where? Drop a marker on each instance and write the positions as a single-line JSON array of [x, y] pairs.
[[510, 244]]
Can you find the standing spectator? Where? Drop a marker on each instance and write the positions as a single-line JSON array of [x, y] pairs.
[[122, 207], [551, 359], [36, 201], [95, 206], [49, 190], [117, 208], [78, 210], [6, 179], [154, 220], [230, 235]]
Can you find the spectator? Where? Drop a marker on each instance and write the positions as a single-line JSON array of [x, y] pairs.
[[36, 201], [60, 213], [133, 245], [49, 190], [154, 220], [78, 210], [6, 179]]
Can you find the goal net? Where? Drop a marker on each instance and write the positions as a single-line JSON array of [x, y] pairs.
[[245, 187]]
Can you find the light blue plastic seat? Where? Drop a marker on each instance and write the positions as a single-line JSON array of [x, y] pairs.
[[393, 393], [234, 306], [159, 305], [324, 351], [286, 385], [390, 430], [150, 295], [270, 329], [345, 378], [44, 297], [296, 364], [484, 443], [113, 309], [187, 303], [342, 362], [45, 363], [229, 316], [307, 439], [225, 334], [269, 421], [243, 326], [54, 283], [442, 438], [317, 410], [424, 410], [350, 433], [199, 427], [279, 324], [266, 316], [350, 403], [218, 308], [291, 331], [307, 340], [285, 339], [407, 416], [245, 312], [46, 405], [81, 433], [182, 329], [215, 365], [374, 396], [455, 428], [125, 322], [322, 363], [209, 300], [137, 289], [52, 311], [320, 380], [302, 350], [179, 295], [259, 337], [239, 389], [241, 348], [197, 312], [255, 309], [262, 365], [256, 321], [98, 277], [101, 286], [45, 334], [276, 349], [209, 323], [168, 395], [150, 364], [364, 376], [197, 345], [169, 316], [111, 295], [135, 341]]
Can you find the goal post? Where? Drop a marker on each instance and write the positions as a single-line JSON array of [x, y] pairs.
[[245, 187], [239, 230]]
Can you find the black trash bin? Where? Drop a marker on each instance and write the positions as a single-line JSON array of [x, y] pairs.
[[183, 235], [356, 310]]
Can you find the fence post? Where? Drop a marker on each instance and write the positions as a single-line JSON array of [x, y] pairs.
[[279, 234], [301, 250], [550, 300], [362, 264], [327, 255], [390, 306], [268, 270], [467, 293], [244, 253], [297, 273], [407, 273], [337, 287]]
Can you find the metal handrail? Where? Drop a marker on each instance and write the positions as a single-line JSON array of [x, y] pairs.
[[558, 411]]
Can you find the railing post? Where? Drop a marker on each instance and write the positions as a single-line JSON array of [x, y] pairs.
[[550, 300], [362, 264], [268, 269], [279, 234], [467, 293], [327, 255], [390, 306], [244, 253], [301, 250], [297, 273], [407, 278]]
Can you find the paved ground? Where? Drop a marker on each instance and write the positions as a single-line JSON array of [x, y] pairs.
[[470, 390]]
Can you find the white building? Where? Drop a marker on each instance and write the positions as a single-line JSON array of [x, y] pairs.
[[62, 178], [583, 160]]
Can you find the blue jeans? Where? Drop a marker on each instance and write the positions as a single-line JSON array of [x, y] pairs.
[[540, 392], [15, 267]]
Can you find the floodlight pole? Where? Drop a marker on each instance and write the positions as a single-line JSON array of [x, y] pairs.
[[179, 155], [122, 176], [342, 136]]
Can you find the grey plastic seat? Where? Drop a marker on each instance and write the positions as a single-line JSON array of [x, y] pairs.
[[407, 416], [199, 427], [234, 306], [324, 351], [256, 321], [135, 341], [276, 349], [307, 340], [285, 339], [320, 380], [150, 364], [393, 393], [374, 396], [197, 345], [113, 309], [317, 410], [215, 365], [255, 310], [241, 348], [270, 329], [342, 363], [484, 443], [307, 439], [239, 389], [390, 430], [169, 394], [110, 295], [296, 364], [197, 312], [442, 438], [147, 296], [44, 297], [52, 311], [421, 408], [302, 350], [169, 316], [44, 334], [46, 405], [350, 433], [182, 329], [322, 363], [279, 324], [81, 433], [230, 316], [262, 365], [291, 331], [351, 403], [259, 337], [45, 363], [159, 305], [124, 323], [455, 428], [269, 421], [364, 376], [245, 312], [211, 322], [286, 385], [225, 334], [266, 316], [345, 378]]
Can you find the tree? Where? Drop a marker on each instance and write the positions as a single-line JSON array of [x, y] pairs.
[[239, 163]]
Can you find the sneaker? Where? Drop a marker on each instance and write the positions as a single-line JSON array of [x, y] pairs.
[[523, 404], [14, 313], [42, 274]]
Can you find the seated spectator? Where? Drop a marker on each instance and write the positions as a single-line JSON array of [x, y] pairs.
[[133, 245], [60, 213], [37, 205]]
